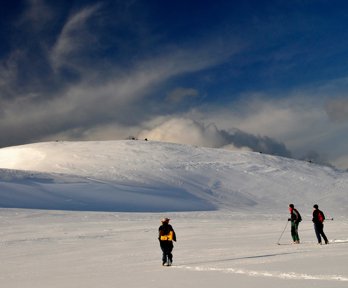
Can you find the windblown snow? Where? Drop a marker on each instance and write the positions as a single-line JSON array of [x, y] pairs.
[[86, 214]]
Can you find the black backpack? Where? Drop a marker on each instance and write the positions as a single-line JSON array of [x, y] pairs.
[[299, 218]]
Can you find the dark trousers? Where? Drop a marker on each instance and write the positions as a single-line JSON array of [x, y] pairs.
[[167, 248], [319, 232], [294, 231]]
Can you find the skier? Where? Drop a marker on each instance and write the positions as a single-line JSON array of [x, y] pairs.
[[166, 236], [318, 220], [295, 218]]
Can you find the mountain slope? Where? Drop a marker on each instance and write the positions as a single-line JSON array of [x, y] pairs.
[[154, 176]]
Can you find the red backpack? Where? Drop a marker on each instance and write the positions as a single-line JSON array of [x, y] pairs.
[[321, 217]]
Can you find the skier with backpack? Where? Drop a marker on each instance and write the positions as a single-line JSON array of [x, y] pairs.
[[295, 218], [318, 220], [166, 236]]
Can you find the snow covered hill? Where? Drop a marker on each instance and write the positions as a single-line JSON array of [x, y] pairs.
[[146, 176]]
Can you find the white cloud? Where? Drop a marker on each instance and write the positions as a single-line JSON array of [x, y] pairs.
[[299, 120], [187, 131], [288, 119], [74, 37]]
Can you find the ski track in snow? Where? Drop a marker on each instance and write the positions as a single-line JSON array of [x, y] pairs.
[[268, 274], [280, 275]]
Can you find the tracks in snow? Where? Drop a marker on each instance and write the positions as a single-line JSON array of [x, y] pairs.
[[280, 275]]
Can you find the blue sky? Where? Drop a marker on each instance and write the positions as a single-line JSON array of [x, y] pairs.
[[267, 76]]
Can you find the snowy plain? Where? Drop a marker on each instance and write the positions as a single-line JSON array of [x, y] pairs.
[[86, 214]]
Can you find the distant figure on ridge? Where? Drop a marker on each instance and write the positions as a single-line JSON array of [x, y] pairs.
[[295, 218], [318, 220], [166, 236]]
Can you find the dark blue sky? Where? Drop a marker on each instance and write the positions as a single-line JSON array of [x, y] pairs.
[[266, 75]]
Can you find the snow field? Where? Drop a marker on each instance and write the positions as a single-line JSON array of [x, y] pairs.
[[84, 249], [92, 210]]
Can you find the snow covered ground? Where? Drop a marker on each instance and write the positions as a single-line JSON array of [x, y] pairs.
[[86, 214]]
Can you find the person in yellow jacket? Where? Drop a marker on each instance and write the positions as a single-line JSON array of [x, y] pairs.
[[166, 236]]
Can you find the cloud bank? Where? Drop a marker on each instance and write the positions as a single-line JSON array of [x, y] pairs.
[[188, 131]]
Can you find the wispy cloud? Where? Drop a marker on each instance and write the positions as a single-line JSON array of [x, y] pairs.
[[8, 73], [74, 37]]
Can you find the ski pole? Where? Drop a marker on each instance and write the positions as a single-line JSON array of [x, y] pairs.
[[281, 235]]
